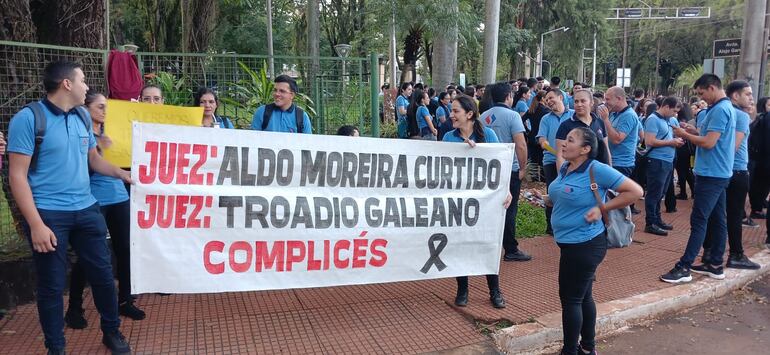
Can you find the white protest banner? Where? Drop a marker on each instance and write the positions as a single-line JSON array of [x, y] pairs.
[[233, 210]]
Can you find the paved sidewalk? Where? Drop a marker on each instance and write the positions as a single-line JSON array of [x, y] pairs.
[[403, 317]]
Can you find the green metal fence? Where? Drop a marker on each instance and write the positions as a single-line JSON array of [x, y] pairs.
[[342, 90]]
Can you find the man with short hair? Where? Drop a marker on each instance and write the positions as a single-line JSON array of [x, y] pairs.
[[714, 160], [638, 96], [741, 96], [623, 127], [509, 129], [546, 136], [283, 117], [659, 139], [49, 178], [555, 82]]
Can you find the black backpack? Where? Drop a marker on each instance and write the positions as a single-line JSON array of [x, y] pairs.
[[298, 113]]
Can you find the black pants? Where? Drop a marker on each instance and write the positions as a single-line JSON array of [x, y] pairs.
[[550, 176], [683, 171], [118, 221], [670, 197], [493, 282], [577, 266], [510, 244], [735, 202], [759, 188]]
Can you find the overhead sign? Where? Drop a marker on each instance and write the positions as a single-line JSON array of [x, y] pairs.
[[216, 210], [726, 48]]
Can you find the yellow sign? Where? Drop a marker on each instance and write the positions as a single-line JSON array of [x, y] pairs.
[[121, 113]]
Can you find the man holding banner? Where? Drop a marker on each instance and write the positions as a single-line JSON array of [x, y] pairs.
[[49, 179]]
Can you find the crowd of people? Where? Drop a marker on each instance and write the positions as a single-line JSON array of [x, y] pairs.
[[578, 143]]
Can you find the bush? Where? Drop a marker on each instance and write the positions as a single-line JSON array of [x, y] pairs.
[[530, 221]]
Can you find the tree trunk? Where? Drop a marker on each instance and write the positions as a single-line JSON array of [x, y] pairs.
[[491, 29], [73, 23], [445, 52], [198, 25], [313, 42]]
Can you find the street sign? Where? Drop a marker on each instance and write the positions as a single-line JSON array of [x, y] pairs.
[[714, 66], [726, 48], [623, 77]]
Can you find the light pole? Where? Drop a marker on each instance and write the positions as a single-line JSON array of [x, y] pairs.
[[542, 47], [343, 50]]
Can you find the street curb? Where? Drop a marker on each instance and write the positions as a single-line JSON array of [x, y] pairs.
[[545, 334]]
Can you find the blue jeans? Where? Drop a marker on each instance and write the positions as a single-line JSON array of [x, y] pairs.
[[658, 175], [710, 197], [86, 231]]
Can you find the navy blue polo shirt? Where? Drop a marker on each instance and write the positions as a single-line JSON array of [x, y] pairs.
[[572, 199], [60, 181], [718, 161], [626, 122], [596, 125], [281, 121]]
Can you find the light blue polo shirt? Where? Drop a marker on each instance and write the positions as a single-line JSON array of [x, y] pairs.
[[571, 102], [572, 199], [564, 99], [662, 131], [718, 161], [106, 189], [454, 136], [742, 122], [422, 111], [700, 116], [60, 182], [281, 121], [521, 107], [506, 123], [626, 122], [549, 125], [401, 102]]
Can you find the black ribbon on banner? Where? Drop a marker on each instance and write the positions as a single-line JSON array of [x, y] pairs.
[[434, 250]]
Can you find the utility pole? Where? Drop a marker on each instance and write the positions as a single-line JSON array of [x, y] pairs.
[[753, 32], [392, 47], [625, 44], [491, 27], [270, 61]]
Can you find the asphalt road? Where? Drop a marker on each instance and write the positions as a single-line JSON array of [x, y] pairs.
[[738, 323]]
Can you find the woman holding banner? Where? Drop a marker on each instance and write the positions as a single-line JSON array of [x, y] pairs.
[[115, 206], [207, 98], [467, 128], [579, 231]]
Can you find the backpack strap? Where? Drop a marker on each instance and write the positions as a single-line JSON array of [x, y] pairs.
[[300, 117], [595, 189], [268, 114], [40, 126], [81, 112]]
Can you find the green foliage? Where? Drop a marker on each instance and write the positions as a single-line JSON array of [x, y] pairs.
[[173, 88], [530, 220], [688, 76], [256, 89]]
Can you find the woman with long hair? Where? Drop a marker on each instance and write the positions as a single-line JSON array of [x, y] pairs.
[[113, 200], [469, 129], [208, 99], [520, 99], [415, 103]]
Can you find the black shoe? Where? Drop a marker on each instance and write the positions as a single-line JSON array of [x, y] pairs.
[[517, 256], [129, 310], [665, 226], [461, 300], [116, 342], [497, 299], [653, 229], [56, 352], [714, 272], [749, 223], [681, 197], [74, 318], [677, 275], [740, 261], [706, 257], [635, 211], [758, 215], [672, 210]]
